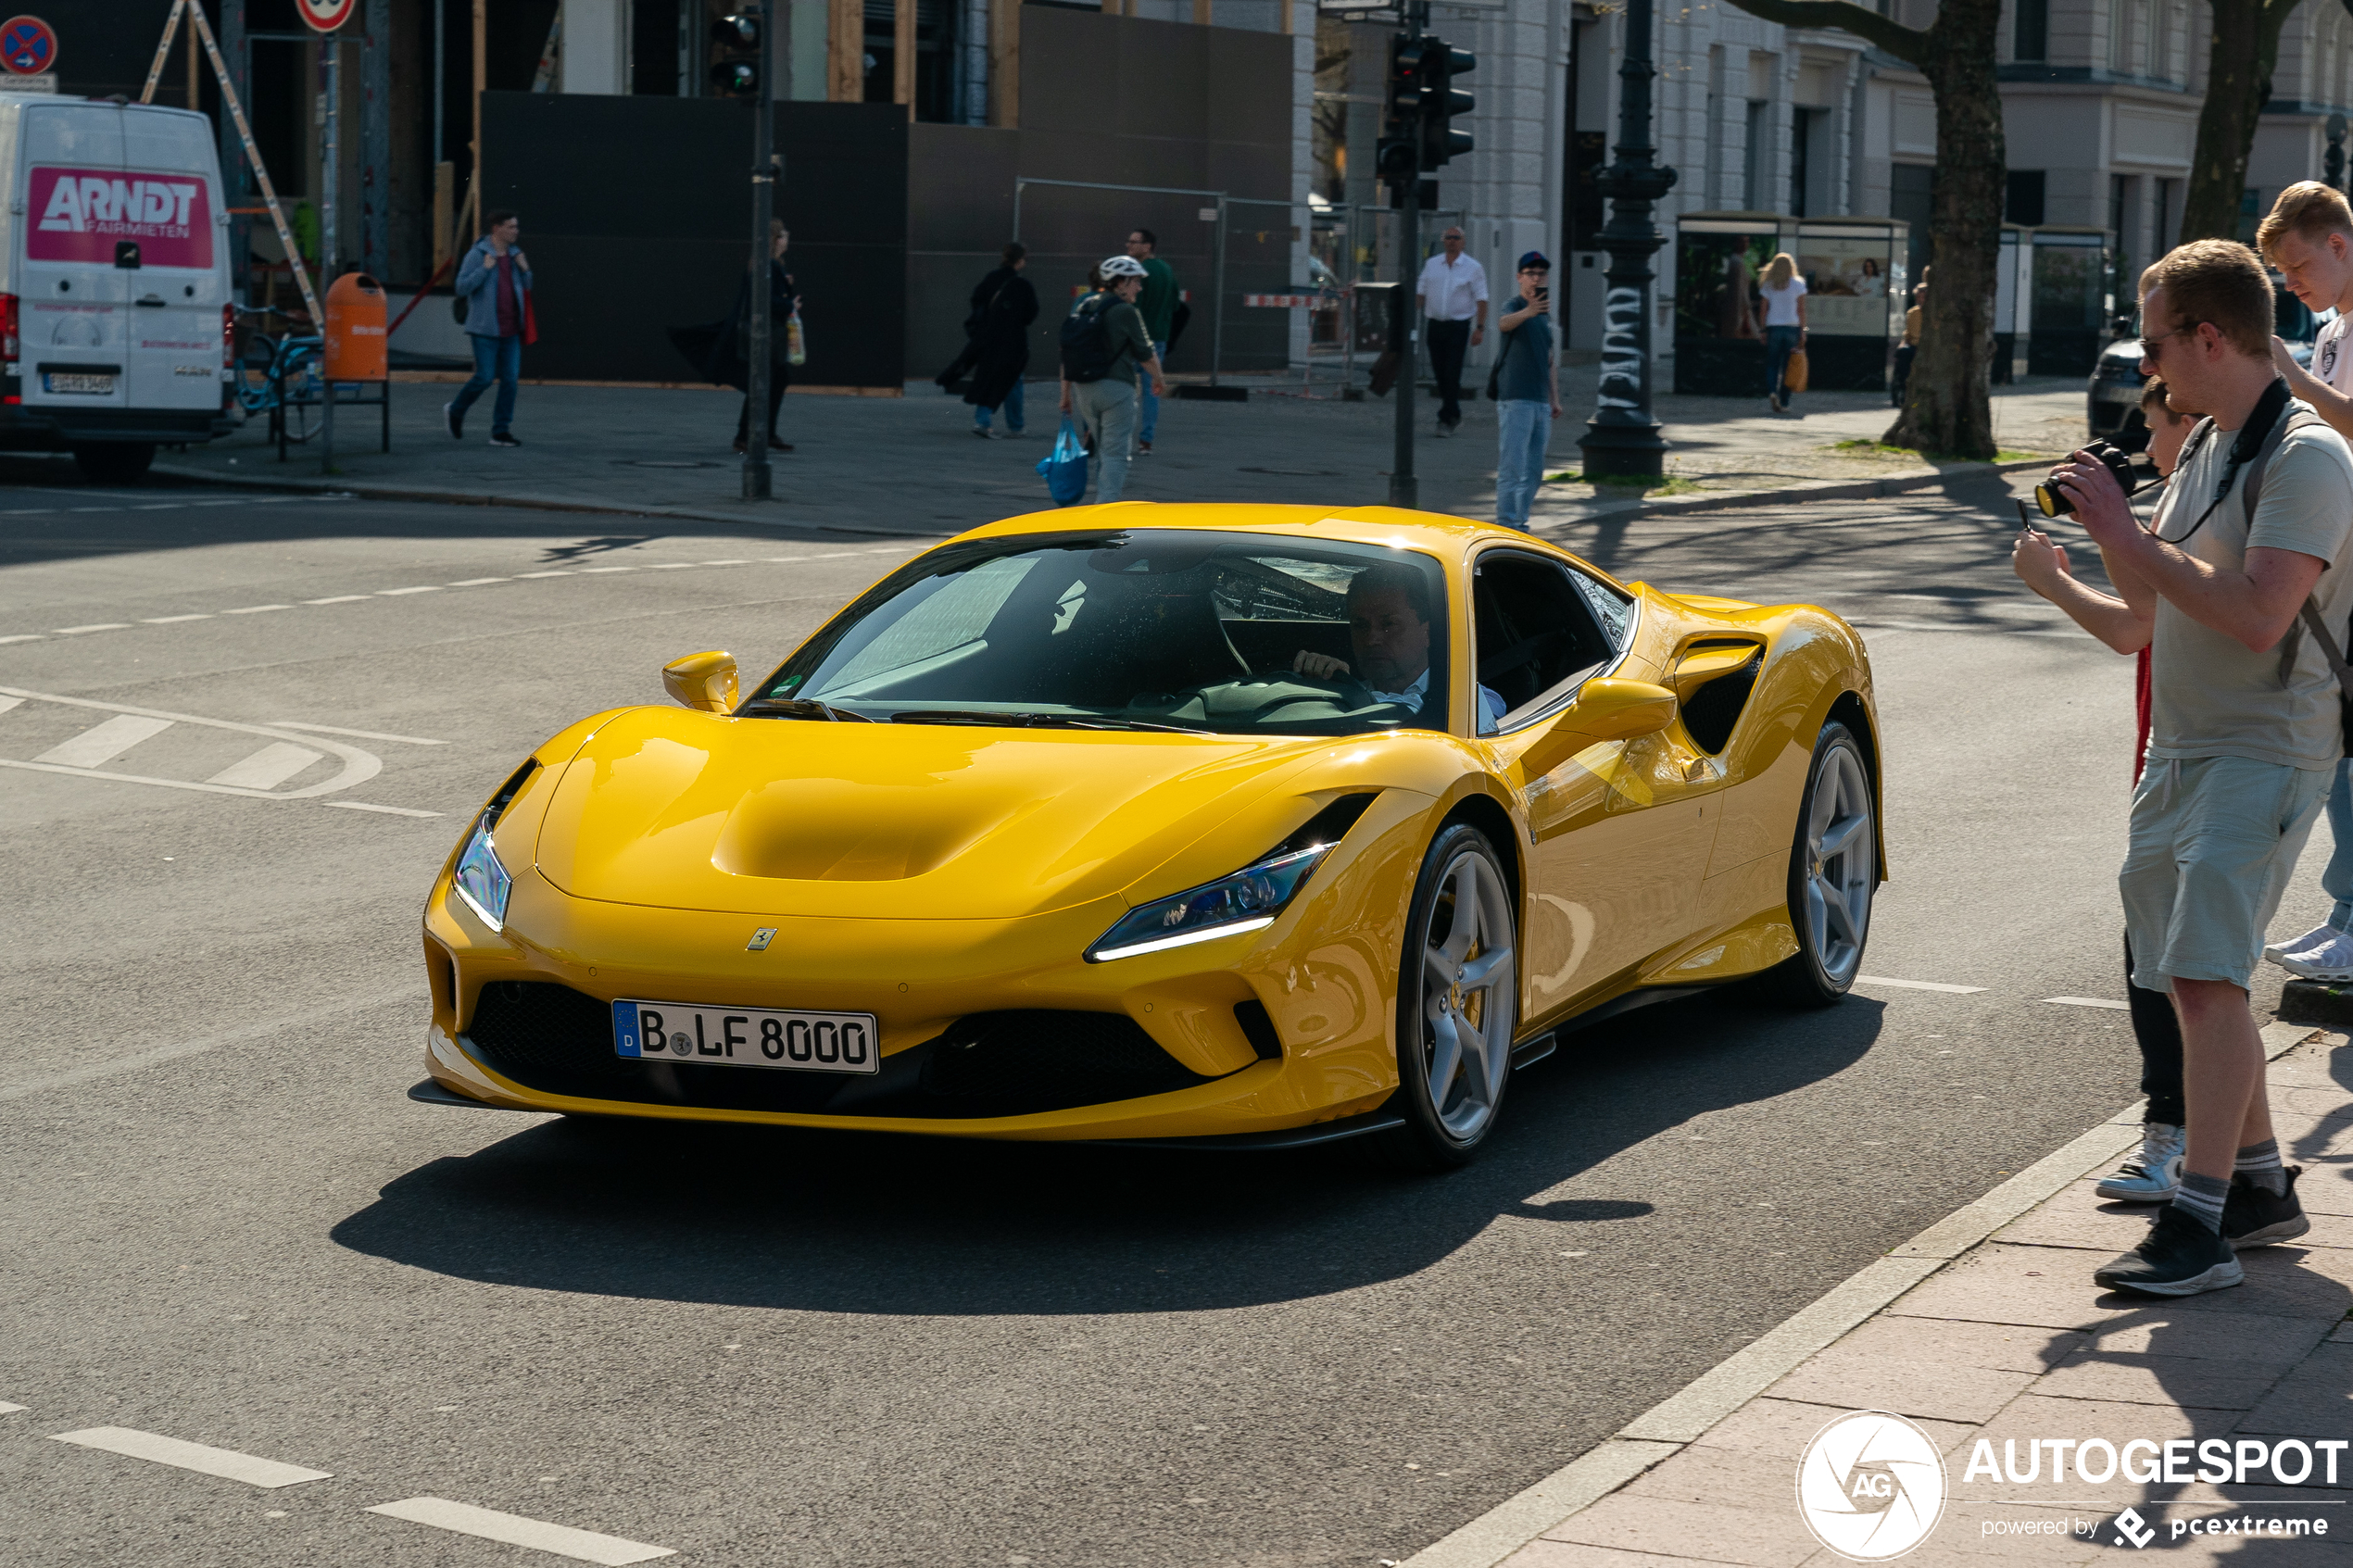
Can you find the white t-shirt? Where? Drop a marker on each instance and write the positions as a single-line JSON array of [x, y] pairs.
[[2332, 355], [1452, 293], [2209, 695], [1780, 304]]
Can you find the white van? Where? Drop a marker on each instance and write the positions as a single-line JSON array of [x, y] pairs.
[[115, 325]]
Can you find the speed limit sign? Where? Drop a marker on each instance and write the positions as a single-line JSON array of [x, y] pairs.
[[325, 16]]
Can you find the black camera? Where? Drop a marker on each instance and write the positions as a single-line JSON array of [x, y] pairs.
[[2054, 501]]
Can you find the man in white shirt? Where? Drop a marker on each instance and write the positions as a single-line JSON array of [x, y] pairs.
[[1452, 297], [2309, 236]]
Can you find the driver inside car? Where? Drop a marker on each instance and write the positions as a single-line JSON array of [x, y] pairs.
[[1389, 631]]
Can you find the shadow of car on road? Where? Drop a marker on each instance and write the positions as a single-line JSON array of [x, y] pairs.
[[860, 1222]]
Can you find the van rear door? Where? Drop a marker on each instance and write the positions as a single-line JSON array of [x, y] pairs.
[[171, 184], [74, 298]]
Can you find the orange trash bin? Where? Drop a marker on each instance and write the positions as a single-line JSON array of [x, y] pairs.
[[355, 347]]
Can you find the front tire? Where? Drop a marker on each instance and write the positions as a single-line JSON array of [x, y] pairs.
[[114, 462], [1457, 1005], [1833, 872]]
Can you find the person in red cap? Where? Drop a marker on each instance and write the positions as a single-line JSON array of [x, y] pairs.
[[1527, 392]]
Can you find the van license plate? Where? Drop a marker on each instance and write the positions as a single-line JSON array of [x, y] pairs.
[[87, 385]]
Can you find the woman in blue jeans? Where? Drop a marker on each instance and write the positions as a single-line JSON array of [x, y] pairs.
[[1782, 293], [495, 282]]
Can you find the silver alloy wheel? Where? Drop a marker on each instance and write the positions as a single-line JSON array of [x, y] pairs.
[[1470, 995], [1841, 856]]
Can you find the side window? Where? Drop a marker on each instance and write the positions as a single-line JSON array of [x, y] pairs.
[[1612, 608], [1538, 637]]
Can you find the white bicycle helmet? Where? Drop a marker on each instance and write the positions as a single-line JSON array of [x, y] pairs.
[[1122, 265]]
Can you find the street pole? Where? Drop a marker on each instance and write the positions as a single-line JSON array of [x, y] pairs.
[[1622, 441], [1404, 489], [759, 483]]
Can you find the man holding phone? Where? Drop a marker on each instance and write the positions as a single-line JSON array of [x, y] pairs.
[[1527, 393]]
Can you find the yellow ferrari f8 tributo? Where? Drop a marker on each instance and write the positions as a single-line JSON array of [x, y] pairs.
[[1248, 826]]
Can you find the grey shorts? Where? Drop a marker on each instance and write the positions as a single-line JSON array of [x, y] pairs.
[[2211, 845]]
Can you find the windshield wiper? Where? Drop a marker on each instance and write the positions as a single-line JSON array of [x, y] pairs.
[[1030, 721], [800, 708]]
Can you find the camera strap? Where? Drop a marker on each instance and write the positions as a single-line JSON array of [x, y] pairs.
[[2252, 441]]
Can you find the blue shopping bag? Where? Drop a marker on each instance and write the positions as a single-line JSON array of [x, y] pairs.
[[1064, 468]]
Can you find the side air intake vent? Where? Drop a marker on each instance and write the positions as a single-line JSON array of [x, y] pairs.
[[1716, 706]]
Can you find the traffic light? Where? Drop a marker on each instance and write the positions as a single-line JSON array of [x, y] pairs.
[[1441, 64], [736, 73], [1400, 153]]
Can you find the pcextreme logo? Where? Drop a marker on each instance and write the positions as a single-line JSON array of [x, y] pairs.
[[1870, 1485]]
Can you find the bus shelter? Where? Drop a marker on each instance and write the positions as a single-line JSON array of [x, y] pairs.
[[1853, 270], [2071, 300]]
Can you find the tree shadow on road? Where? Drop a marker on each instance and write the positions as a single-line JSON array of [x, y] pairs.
[[849, 1223]]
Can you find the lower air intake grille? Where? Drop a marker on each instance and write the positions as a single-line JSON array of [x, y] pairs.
[[560, 1041]]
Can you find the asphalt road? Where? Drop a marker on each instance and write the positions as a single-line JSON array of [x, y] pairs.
[[226, 1225]]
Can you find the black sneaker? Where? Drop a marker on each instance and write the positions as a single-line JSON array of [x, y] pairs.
[[2253, 1216], [500, 438], [2179, 1258], [455, 418]]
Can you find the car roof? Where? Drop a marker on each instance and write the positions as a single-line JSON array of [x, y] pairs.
[[1358, 525]]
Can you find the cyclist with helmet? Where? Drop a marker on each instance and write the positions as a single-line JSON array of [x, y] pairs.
[[1104, 343]]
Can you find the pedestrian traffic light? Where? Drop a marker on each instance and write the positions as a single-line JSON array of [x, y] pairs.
[[1442, 65], [736, 73]]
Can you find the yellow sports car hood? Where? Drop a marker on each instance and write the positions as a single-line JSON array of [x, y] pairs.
[[679, 809]]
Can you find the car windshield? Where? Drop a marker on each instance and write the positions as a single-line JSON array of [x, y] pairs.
[[1145, 629]]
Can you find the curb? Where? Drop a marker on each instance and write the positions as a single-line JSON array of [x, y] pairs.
[[1825, 490], [1667, 1428], [1820, 489], [437, 495]]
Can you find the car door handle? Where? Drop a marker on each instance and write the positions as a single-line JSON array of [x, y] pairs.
[[152, 299]]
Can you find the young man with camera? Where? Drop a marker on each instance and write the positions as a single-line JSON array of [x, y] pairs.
[[2309, 236], [2243, 735], [1527, 392]]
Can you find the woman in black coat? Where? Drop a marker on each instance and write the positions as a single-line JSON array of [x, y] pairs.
[[1003, 307]]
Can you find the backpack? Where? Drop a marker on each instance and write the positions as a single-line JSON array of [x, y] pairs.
[[1087, 351]]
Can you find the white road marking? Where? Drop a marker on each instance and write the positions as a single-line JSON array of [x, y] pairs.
[[522, 575], [268, 768], [396, 593], [359, 766], [172, 620], [387, 811], [101, 627], [671, 566], [256, 609], [23, 638], [726, 563], [587, 1546], [339, 599], [355, 734], [105, 741], [408, 1000], [590, 570], [8, 702], [8, 1409], [2089, 1002], [1917, 984], [227, 1463], [478, 582]]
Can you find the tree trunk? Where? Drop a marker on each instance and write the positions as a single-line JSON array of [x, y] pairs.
[[1948, 409], [2239, 74]]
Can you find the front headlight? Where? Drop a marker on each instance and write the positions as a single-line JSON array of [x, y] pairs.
[[1248, 900], [480, 878]]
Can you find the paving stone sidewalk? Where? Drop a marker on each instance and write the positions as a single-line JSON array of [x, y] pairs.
[[910, 464], [2011, 1341]]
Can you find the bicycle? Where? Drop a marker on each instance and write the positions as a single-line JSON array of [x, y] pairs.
[[290, 388]]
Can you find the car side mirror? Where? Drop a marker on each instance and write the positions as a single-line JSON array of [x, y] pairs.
[[705, 681], [1609, 709]]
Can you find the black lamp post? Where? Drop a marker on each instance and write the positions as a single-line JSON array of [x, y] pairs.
[[1621, 440]]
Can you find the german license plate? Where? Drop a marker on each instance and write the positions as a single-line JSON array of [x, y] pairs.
[[88, 386], [797, 1042]]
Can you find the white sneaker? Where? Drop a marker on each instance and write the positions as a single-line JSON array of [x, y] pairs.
[[2333, 959], [2311, 938], [2153, 1174]]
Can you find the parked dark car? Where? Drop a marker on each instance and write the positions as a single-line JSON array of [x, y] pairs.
[[2115, 394]]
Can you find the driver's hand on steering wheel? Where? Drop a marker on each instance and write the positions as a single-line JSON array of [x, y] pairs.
[[1321, 666]]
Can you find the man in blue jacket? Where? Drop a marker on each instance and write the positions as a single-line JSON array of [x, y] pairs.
[[495, 282]]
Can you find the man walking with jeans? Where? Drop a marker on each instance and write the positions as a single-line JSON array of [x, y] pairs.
[[1527, 393], [1452, 297], [2245, 733], [1103, 344], [495, 282]]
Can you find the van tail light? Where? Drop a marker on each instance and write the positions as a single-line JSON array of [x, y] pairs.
[[8, 331], [228, 334]]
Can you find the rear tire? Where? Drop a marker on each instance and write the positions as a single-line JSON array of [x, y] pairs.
[[1457, 1005], [114, 462], [1833, 872]]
